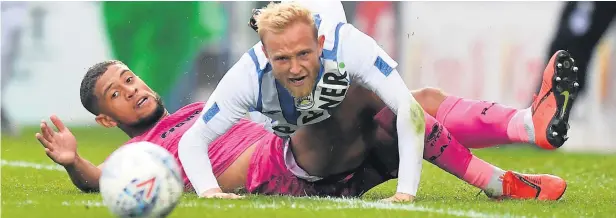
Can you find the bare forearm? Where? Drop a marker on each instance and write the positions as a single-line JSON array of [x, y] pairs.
[[84, 175]]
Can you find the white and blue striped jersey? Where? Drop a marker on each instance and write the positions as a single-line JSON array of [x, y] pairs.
[[348, 56]]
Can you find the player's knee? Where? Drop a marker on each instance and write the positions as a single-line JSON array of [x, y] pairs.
[[430, 99]]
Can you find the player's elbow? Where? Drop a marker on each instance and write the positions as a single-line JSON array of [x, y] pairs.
[[191, 142], [186, 143], [411, 112]]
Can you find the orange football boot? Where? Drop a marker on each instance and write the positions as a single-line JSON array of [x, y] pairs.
[[550, 109], [523, 186]]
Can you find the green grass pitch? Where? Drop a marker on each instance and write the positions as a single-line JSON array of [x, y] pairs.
[[47, 192]]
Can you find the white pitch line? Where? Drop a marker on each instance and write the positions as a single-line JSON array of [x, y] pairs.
[[339, 203], [25, 164], [412, 207]]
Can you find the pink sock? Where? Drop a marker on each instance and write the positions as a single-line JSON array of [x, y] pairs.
[[444, 151], [479, 124]]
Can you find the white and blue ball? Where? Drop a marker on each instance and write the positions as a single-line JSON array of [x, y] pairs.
[[141, 179]]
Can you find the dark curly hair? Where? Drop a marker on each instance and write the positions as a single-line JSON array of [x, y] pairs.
[[86, 92]]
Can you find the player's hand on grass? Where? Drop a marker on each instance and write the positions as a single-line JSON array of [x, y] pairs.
[[217, 193], [399, 198], [60, 146]]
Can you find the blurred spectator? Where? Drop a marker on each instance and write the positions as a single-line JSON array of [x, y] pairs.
[[213, 59], [581, 26], [14, 16]]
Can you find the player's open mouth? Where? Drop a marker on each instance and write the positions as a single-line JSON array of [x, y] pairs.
[[297, 81], [142, 101]]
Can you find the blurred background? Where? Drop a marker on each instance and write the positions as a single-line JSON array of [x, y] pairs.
[[484, 50]]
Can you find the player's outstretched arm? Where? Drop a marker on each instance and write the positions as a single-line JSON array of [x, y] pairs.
[[61, 147], [229, 102], [375, 70]]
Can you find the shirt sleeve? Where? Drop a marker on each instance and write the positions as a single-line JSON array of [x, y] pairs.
[[230, 101], [372, 68]]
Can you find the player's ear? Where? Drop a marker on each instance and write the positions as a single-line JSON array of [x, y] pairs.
[[105, 121]]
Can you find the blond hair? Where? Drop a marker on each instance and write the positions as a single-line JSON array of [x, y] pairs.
[[275, 18]]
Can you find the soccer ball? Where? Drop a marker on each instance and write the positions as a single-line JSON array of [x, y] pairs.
[[141, 180]]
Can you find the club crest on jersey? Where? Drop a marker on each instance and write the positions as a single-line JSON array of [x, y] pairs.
[[304, 103]]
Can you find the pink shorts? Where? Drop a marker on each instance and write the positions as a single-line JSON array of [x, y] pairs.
[[269, 175], [230, 146]]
